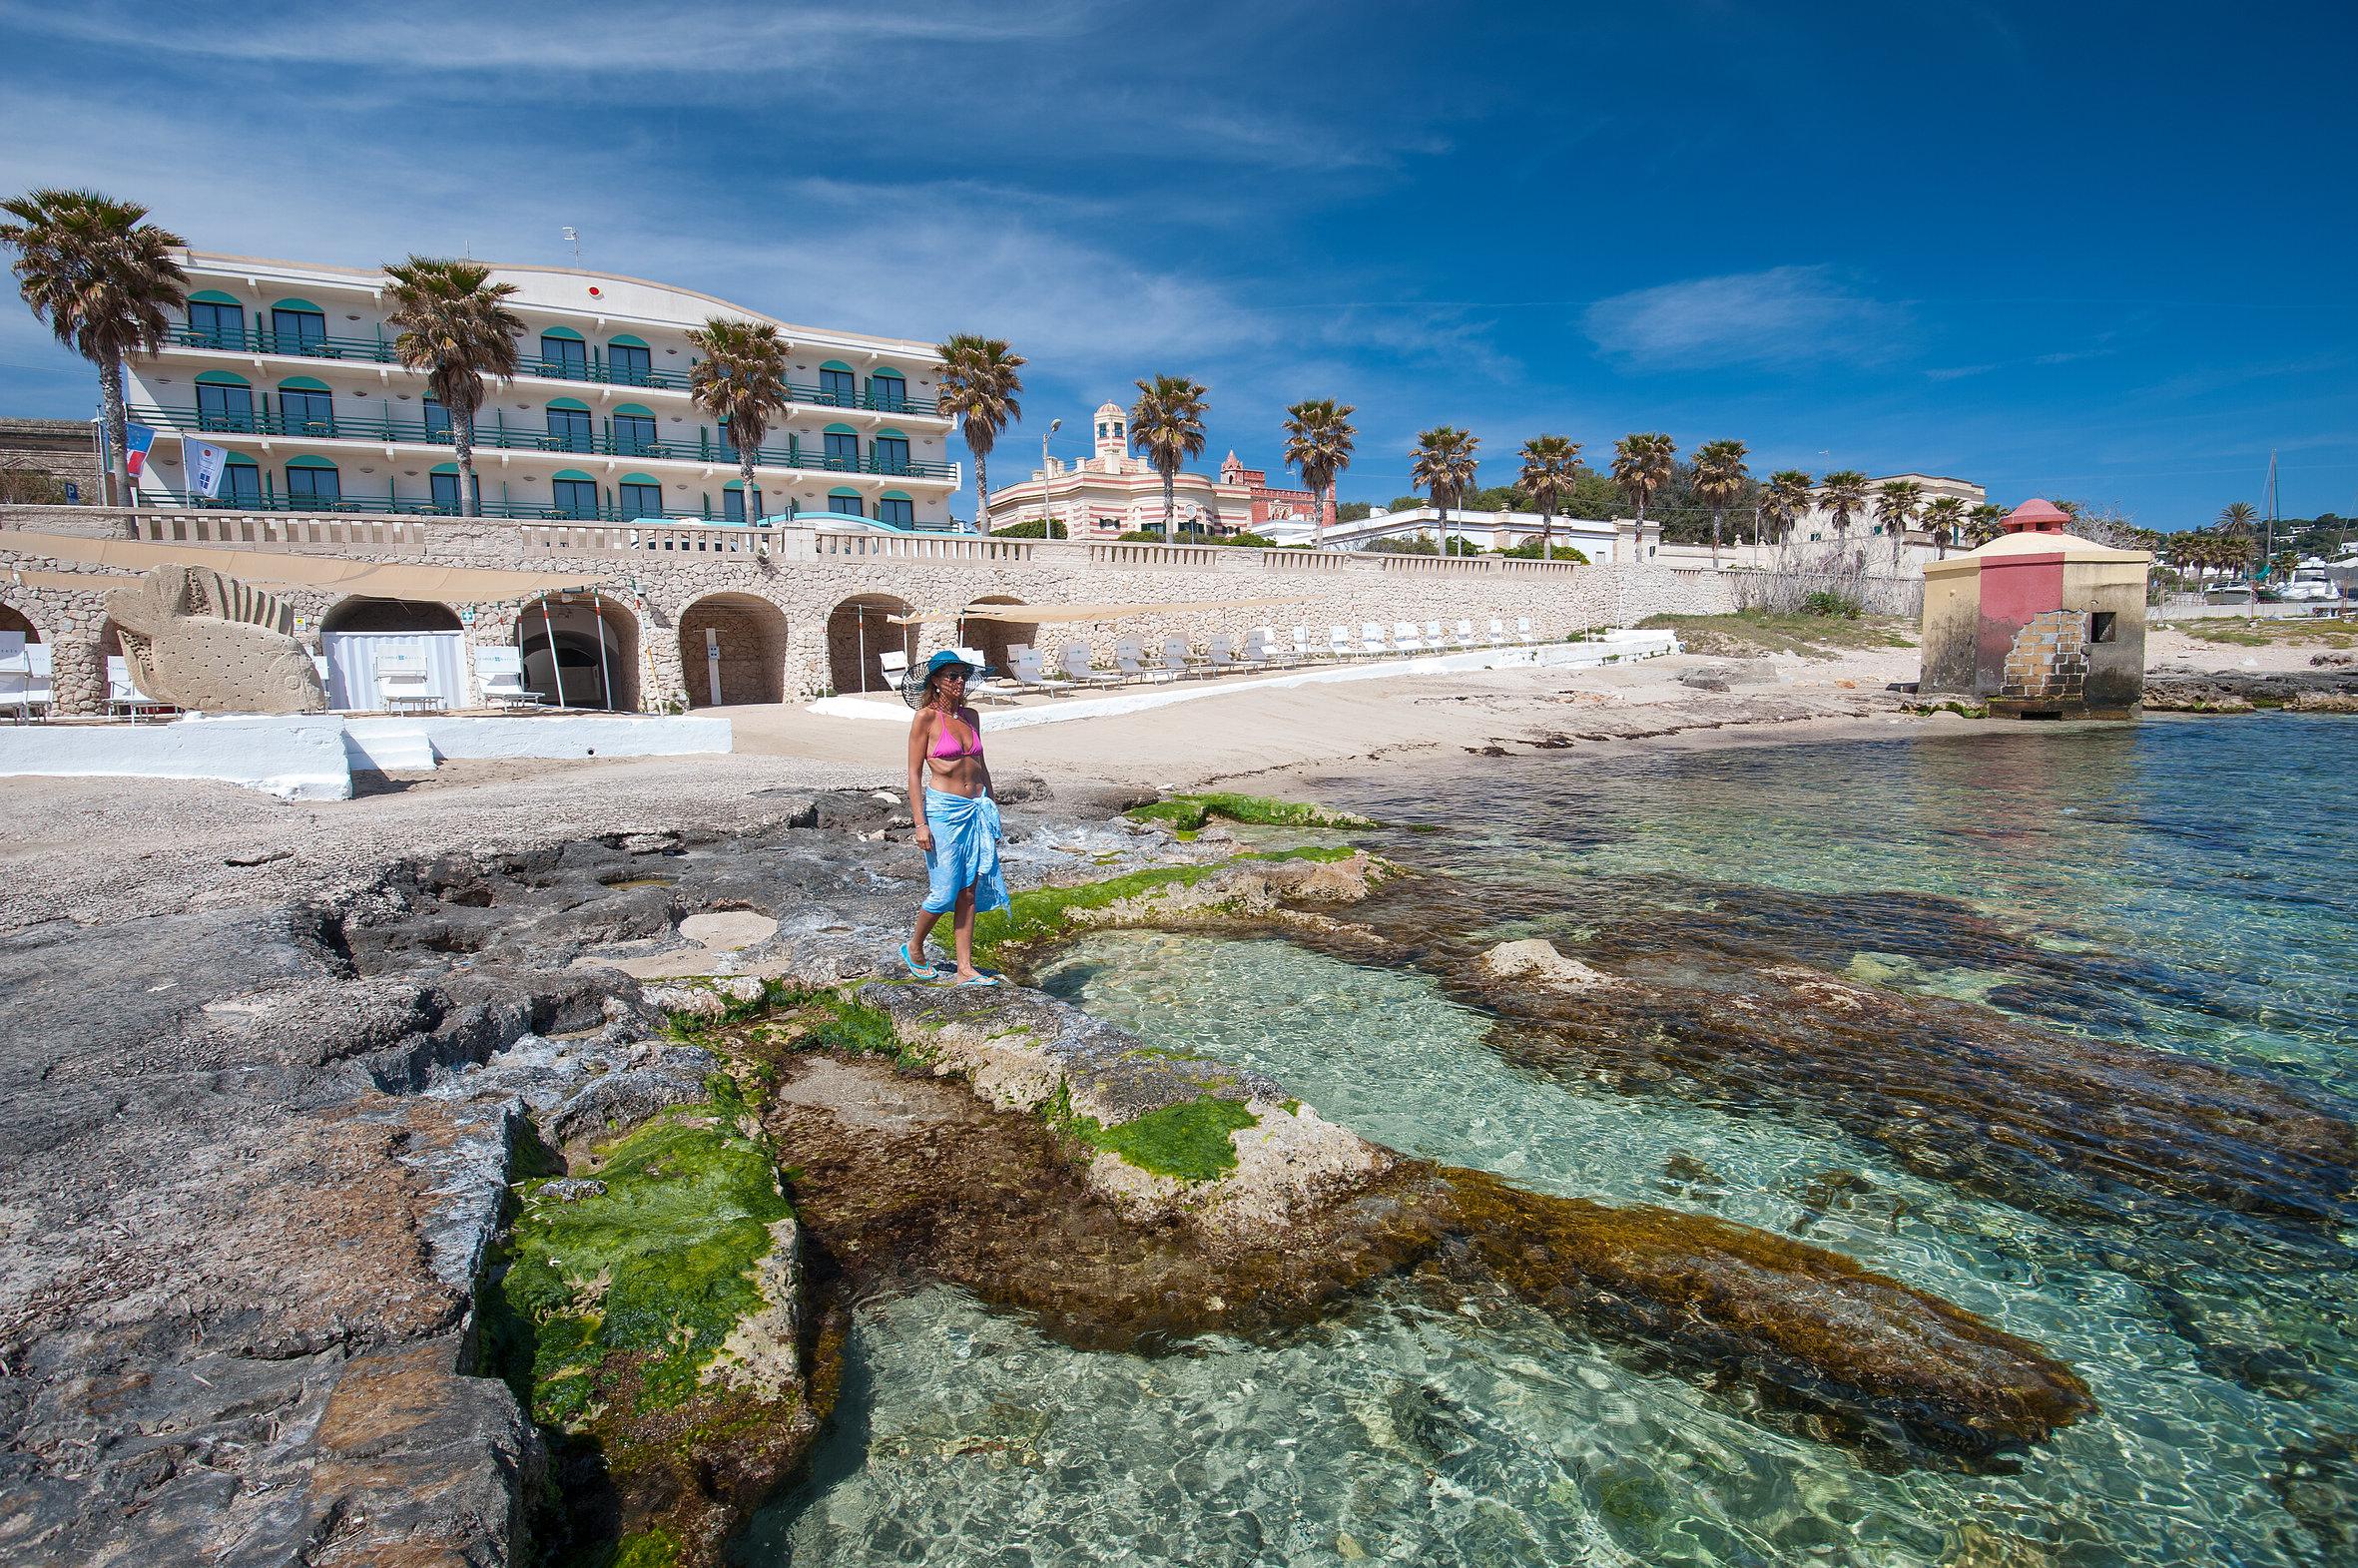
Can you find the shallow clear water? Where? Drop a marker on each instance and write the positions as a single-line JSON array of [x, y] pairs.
[[2196, 877]]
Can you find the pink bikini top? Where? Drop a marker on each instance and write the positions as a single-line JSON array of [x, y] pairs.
[[948, 747]]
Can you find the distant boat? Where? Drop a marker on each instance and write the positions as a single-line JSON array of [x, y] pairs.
[[2237, 592]]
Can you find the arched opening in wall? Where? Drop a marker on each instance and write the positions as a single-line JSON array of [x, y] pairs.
[[859, 631], [16, 621], [377, 649], [992, 639], [732, 650], [580, 651]]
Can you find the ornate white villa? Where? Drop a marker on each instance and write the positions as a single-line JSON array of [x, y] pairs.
[[290, 365], [1111, 492]]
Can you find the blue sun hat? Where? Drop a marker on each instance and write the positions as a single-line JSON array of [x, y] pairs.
[[913, 686]]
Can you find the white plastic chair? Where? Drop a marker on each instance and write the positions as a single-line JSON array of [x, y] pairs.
[[1370, 640], [1023, 668], [894, 662], [1130, 662], [1434, 636], [500, 674], [1407, 638], [1464, 635], [123, 693], [1498, 638], [403, 682], [16, 674], [1303, 649], [1263, 651]]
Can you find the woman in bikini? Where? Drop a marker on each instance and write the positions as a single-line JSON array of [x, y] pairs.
[[957, 821]]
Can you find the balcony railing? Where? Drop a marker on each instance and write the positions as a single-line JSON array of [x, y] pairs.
[[598, 372], [706, 448], [528, 511]]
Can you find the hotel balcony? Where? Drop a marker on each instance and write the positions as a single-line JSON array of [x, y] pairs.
[[388, 504], [704, 449], [590, 369]]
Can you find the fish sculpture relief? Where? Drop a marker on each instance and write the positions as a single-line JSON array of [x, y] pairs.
[[202, 641]]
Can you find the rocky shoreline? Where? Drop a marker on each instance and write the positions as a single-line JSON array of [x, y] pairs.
[[414, 1228]]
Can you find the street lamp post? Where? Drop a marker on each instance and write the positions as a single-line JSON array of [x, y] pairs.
[[1054, 425]]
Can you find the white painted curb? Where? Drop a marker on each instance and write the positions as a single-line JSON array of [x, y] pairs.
[[1611, 648]]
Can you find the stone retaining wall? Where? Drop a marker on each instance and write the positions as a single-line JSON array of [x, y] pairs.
[[655, 582]]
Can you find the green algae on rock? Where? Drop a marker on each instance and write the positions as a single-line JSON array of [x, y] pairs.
[[1187, 814], [647, 1311], [1241, 890], [1187, 1142]]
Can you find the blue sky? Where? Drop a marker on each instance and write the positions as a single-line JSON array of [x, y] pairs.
[[2102, 252]]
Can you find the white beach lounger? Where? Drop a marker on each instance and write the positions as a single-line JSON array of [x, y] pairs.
[[1023, 668], [1522, 630], [499, 672], [1370, 640], [1464, 635], [1305, 649], [1498, 636], [895, 664], [124, 695], [1407, 638], [1178, 660], [403, 682], [16, 675], [1220, 655], [1263, 651], [1338, 643], [1075, 659], [1434, 636], [1130, 660]]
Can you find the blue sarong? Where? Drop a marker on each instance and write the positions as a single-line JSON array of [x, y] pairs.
[[965, 852]]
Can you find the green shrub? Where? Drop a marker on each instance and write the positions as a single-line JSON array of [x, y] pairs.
[[1827, 602], [1037, 528]]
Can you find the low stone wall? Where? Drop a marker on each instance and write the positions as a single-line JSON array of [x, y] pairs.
[[657, 582]]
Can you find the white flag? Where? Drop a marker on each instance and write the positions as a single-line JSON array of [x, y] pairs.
[[205, 462]]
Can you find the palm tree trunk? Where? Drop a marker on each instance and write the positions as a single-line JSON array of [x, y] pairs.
[[1170, 506], [470, 488], [110, 392], [745, 466], [1547, 534], [1321, 498], [1716, 539], [981, 494], [1444, 530]]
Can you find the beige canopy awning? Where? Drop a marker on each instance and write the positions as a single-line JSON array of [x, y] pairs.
[[1041, 614], [278, 568]]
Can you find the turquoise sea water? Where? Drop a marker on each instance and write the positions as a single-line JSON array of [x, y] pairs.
[[2187, 886]]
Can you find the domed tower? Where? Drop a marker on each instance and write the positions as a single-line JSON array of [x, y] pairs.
[[1113, 435]]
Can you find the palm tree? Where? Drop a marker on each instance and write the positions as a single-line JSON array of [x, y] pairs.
[[455, 329], [1547, 477], [1167, 424], [1786, 497], [1897, 502], [1720, 476], [1985, 522], [1945, 514], [1318, 434], [1444, 461], [2236, 520], [979, 385], [741, 380], [1642, 464], [1842, 492], [106, 281]]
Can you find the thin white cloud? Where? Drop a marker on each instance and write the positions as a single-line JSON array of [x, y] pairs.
[[1785, 317]]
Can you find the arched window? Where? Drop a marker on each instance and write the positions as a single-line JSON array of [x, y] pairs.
[[634, 431], [564, 354], [843, 449], [837, 386], [895, 508], [443, 481], [225, 402], [889, 453], [216, 321], [733, 501], [629, 362], [569, 426], [313, 484], [575, 493], [845, 503], [297, 327], [641, 495], [306, 407], [887, 389]]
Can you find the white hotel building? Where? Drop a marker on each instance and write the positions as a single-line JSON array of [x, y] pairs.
[[290, 368]]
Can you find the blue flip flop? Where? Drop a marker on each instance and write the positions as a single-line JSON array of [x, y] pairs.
[[978, 982], [924, 971]]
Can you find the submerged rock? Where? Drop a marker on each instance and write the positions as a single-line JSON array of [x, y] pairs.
[[1538, 962]]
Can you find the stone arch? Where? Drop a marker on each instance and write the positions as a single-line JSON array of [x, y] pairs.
[[858, 630], [749, 633], [14, 620], [596, 653], [992, 639], [362, 614]]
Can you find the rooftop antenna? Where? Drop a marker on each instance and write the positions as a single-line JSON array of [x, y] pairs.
[[573, 236]]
